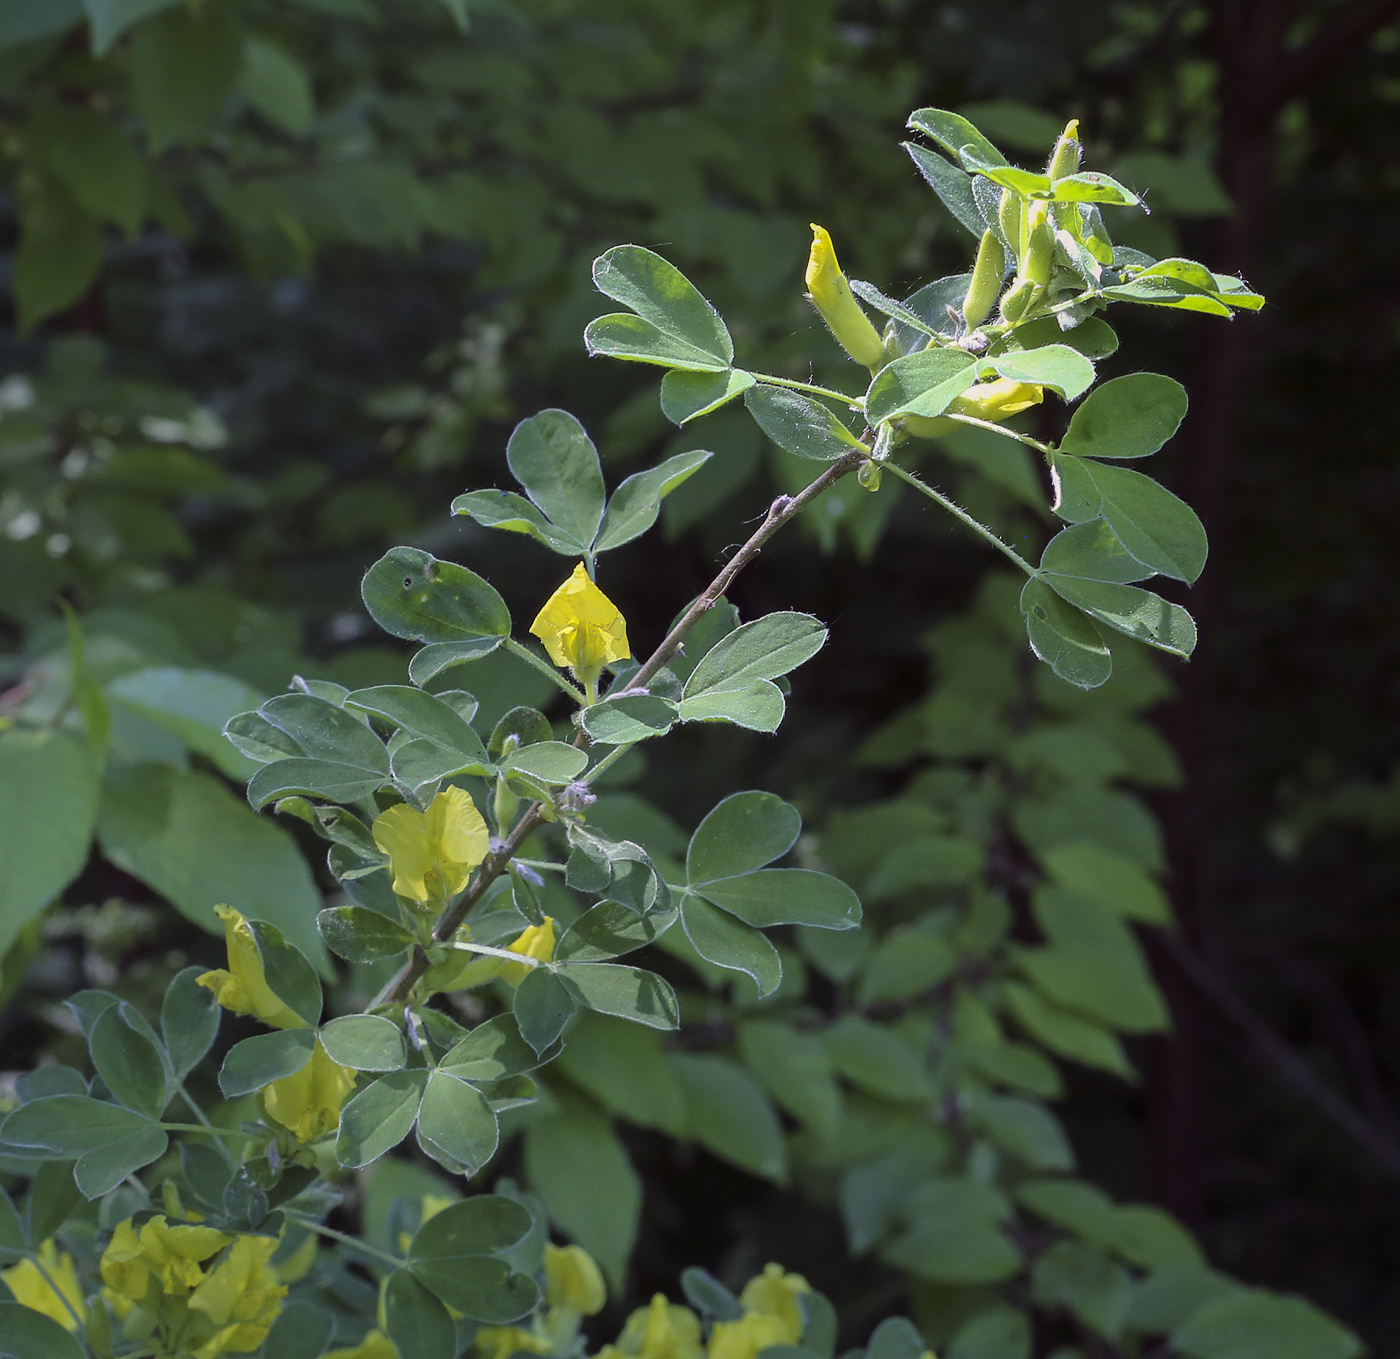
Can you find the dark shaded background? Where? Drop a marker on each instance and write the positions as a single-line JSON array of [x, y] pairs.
[[1284, 862]]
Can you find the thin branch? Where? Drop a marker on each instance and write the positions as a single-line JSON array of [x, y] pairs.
[[854, 402], [779, 512], [1287, 1065], [961, 515]]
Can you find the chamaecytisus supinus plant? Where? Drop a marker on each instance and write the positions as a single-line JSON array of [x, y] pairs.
[[472, 884]]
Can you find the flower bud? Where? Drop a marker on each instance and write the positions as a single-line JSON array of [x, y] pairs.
[[1064, 159], [868, 475], [831, 295], [1017, 299], [1011, 218], [1038, 258], [986, 280]]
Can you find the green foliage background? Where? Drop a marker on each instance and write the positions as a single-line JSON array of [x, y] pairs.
[[285, 275]]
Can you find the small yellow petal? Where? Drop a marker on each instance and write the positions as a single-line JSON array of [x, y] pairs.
[[580, 627], [573, 1280], [309, 1102], [243, 988], [831, 295], [432, 854], [59, 1296], [537, 941]]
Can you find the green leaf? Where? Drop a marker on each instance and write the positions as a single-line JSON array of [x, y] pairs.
[[58, 256], [1057, 366], [456, 1125], [1024, 182], [360, 935], [762, 650], [188, 838], [276, 84], [551, 762], [12, 1245], [552, 457], [728, 943], [1092, 186], [543, 1006], [1139, 613], [455, 1258], [577, 1165], [609, 930], [1067, 1034], [111, 18], [1092, 337], [896, 1338], [728, 1114], [28, 1334], [633, 507], [624, 1068], [416, 1321], [708, 1296], [757, 707], [799, 425], [1064, 638], [70, 1125], [412, 594], [906, 963], [1108, 879], [379, 1118], [183, 66], [301, 1331], [325, 731], [433, 660], [1128, 417], [876, 1059], [954, 1234], [952, 185], [1091, 551], [490, 1052], [48, 801], [686, 396], [514, 514], [264, 1058], [785, 896], [1256, 1324], [629, 718], [130, 1063], [26, 21], [364, 1043], [744, 832], [627, 992], [953, 132], [676, 319], [924, 383], [94, 159], [198, 706], [794, 1067], [422, 715], [1025, 1128], [1074, 1275]]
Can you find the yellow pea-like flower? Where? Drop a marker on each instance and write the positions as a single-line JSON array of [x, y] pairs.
[[536, 941], [774, 1293], [240, 1298], [432, 853], [309, 1102], [573, 1280], [581, 628], [991, 401], [831, 294], [243, 987], [747, 1337], [661, 1330], [27, 1281]]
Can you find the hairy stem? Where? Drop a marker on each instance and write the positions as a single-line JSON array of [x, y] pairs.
[[962, 516], [779, 512], [517, 649], [855, 402], [355, 1242]]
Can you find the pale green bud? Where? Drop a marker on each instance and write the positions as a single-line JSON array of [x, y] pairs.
[[986, 281]]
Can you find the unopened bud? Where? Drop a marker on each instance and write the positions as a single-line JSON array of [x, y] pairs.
[[1011, 218], [1064, 159], [1017, 299], [1038, 259], [868, 475], [986, 281], [831, 295]]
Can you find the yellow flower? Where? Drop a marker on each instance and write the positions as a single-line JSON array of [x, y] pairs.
[[241, 1297], [28, 1283], [175, 1254], [747, 1337], [537, 941], [661, 1331], [500, 1342], [309, 1102], [581, 627], [243, 988], [573, 1280], [774, 1293], [991, 401], [831, 295], [432, 853], [375, 1345], [123, 1270]]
